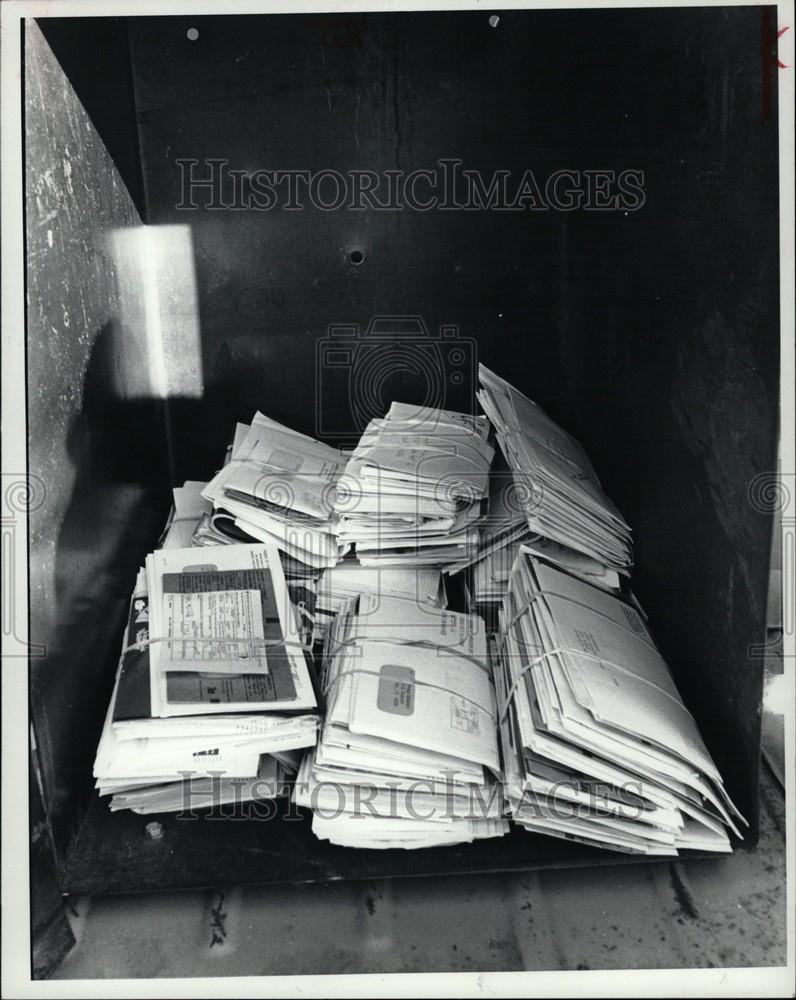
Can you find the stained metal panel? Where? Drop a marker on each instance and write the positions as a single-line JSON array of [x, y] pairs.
[[95, 432]]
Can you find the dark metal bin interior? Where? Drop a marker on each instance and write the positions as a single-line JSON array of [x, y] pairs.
[[651, 335]]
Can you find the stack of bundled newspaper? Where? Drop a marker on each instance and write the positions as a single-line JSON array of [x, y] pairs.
[[504, 528], [490, 577], [213, 694], [486, 588], [338, 586], [193, 522], [413, 490], [597, 744], [408, 752], [280, 486], [505, 522], [557, 487]]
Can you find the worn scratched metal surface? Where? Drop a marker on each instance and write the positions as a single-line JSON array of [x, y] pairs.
[[95, 457], [111, 855], [706, 913]]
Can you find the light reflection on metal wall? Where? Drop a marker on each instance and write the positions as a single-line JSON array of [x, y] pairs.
[[158, 311]]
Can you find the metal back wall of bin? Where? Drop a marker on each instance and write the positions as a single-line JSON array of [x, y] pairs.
[[651, 336]]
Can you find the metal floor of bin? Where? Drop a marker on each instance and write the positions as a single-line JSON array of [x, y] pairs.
[[727, 911]]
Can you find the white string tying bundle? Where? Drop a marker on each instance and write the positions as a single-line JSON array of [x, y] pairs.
[[559, 651], [248, 640], [422, 643], [428, 684], [580, 652], [571, 600], [302, 609]]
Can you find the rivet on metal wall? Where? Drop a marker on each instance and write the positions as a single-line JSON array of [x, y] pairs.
[[153, 830], [192, 34]]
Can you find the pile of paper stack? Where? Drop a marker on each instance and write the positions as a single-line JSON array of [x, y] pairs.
[[337, 587], [559, 490], [504, 528], [505, 521], [214, 696], [408, 754], [413, 489], [192, 522], [213, 693], [490, 577], [280, 486], [487, 586], [187, 510], [597, 744]]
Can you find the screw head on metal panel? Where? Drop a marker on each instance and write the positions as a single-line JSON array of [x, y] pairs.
[[153, 830]]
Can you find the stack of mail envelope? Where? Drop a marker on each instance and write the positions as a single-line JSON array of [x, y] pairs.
[[505, 522], [598, 746], [338, 586], [486, 587], [211, 789], [213, 680], [280, 486], [408, 751], [504, 530], [558, 489], [191, 523], [489, 582], [414, 489]]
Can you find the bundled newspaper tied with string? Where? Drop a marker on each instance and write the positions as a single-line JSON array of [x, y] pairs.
[[413, 490], [558, 489], [280, 486], [213, 696], [597, 744], [224, 634], [193, 523], [486, 589], [409, 729], [504, 530]]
